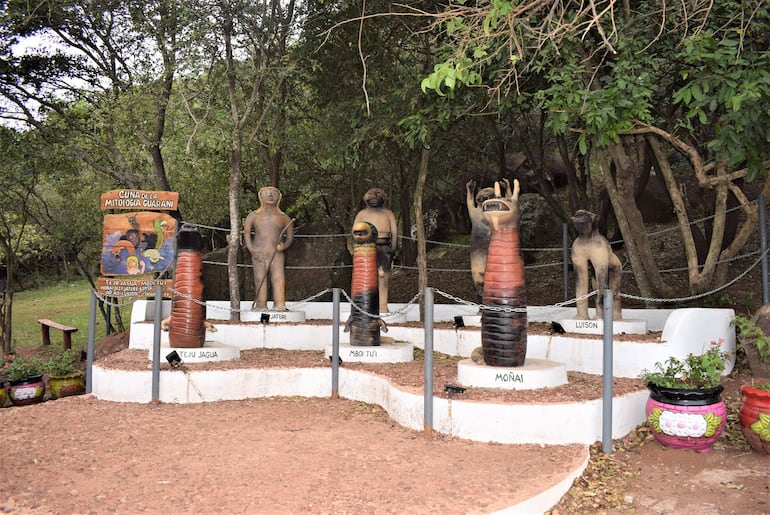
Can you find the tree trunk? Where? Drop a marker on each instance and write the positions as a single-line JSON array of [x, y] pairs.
[[234, 238], [711, 273], [6, 310], [422, 258]]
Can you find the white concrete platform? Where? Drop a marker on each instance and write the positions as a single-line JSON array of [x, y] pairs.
[[479, 421], [596, 326], [393, 318], [396, 352], [534, 374], [273, 316], [684, 331], [211, 351]]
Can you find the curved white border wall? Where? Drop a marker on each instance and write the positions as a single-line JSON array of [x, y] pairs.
[[554, 424]]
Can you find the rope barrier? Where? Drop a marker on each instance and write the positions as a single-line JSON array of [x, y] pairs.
[[415, 298]]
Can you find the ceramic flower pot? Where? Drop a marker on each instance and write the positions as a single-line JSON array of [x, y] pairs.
[[65, 385], [3, 395], [755, 418], [686, 419], [26, 391]]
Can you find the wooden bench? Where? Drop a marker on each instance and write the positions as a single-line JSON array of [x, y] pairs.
[[45, 327]]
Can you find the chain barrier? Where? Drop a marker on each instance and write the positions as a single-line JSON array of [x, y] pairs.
[[486, 307], [700, 295]]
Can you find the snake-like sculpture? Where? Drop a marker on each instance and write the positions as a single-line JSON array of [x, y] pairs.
[[364, 329], [504, 334], [187, 325]]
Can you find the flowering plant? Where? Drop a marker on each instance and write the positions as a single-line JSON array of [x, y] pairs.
[[21, 368], [694, 372]]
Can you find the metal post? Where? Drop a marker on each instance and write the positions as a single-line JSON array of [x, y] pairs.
[[335, 343], [91, 343], [607, 374], [108, 309], [763, 248], [428, 365], [565, 259], [156, 344]]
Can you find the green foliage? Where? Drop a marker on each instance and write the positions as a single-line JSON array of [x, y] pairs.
[[695, 371], [24, 367], [751, 334], [61, 364], [761, 386], [727, 87]]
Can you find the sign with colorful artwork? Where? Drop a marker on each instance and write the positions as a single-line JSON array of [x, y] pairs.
[[137, 247], [137, 243]]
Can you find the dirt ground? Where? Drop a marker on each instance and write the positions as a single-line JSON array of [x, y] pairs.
[[298, 455]]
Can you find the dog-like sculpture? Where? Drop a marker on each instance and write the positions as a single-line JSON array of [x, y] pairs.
[[590, 247]]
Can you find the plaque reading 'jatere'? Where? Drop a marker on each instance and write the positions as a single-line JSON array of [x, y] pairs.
[[137, 243]]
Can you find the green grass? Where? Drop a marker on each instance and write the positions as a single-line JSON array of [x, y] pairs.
[[66, 303]]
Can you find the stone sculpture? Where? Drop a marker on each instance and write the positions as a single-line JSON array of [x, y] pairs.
[[268, 232], [591, 247]]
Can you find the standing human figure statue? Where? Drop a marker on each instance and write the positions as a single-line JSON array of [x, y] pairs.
[[268, 232], [384, 221]]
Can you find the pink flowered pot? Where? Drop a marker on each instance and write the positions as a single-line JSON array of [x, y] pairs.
[[686, 419]]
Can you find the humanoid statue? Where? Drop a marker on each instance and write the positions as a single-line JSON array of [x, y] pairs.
[[591, 246], [268, 232], [384, 221], [481, 231]]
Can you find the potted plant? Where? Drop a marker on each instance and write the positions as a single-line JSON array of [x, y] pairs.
[[25, 376], [755, 415], [755, 402], [63, 378], [685, 408]]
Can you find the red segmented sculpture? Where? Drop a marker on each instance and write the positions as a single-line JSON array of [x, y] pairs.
[[364, 329], [187, 324], [504, 333]]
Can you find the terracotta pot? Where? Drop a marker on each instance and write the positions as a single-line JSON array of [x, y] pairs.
[[755, 418], [3, 395], [27, 391], [686, 419], [66, 385]]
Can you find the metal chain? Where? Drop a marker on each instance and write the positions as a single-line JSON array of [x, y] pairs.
[[509, 309], [700, 295], [356, 306]]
